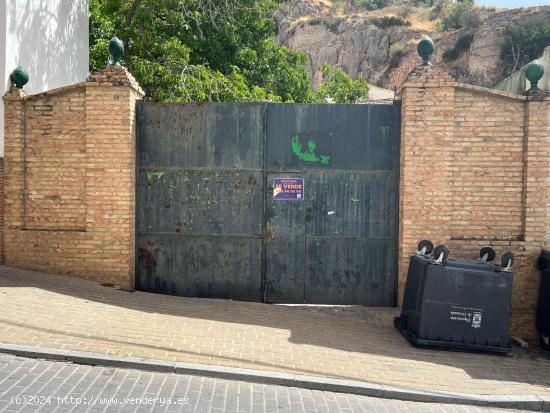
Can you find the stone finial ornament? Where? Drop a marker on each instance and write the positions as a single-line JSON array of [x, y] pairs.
[[534, 72], [19, 77], [425, 49], [116, 49]]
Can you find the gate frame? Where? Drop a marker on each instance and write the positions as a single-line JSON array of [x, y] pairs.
[[265, 198]]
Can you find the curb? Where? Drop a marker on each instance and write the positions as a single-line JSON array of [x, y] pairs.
[[522, 402]]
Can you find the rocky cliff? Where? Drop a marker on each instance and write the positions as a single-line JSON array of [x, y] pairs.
[[363, 43]]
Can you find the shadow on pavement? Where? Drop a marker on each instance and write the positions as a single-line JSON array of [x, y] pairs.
[[307, 326]]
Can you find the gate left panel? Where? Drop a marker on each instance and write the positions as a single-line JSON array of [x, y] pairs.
[[199, 201]]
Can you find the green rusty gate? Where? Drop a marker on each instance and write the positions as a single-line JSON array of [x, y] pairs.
[[285, 203]]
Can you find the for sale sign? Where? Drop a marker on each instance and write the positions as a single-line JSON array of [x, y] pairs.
[[287, 189]]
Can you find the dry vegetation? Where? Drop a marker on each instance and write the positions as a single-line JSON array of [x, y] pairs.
[[418, 17]]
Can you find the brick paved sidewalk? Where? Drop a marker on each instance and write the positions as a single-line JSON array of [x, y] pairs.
[[37, 309]]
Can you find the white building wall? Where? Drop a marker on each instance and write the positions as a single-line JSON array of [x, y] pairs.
[[49, 38]]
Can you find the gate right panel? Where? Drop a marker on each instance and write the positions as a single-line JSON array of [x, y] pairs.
[[338, 245]]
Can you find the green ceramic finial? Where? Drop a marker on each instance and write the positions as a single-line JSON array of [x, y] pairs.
[[116, 48], [426, 48], [534, 72], [19, 77]]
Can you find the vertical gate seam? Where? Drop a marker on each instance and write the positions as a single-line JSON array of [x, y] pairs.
[[264, 208]]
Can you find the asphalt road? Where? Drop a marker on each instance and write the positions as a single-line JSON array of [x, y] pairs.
[[30, 385]]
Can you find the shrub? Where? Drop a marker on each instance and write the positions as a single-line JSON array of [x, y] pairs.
[[460, 15], [333, 24], [388, 21], [450, 54], [397, 51], [462, 44], [423, 3], [339, 87], [404, 11], [337, 4], [437, 10], [372, 4], [523, 43]]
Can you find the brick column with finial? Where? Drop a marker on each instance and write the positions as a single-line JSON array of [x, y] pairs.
[[427, 124], [111, 97], [12, 171]]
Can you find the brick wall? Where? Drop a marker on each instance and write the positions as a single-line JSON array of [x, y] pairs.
[[475, 172], [487, 167], [1, 211], [54, 193], [70, 178]]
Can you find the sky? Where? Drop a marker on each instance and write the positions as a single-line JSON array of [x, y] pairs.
[[513, 3]]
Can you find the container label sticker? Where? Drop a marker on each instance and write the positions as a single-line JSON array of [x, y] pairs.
[[472, 316], [288, 189]]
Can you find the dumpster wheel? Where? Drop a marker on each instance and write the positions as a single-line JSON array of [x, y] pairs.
[[507, 261], [544, 342], [441, 253], [425, 247], [487, 254]]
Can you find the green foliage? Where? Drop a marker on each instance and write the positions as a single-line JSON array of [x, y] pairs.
[[199, 50], [460, 15], [338, 87], [388, 21], [337, 4], [523, 43], [423, 3], [276, 69], [437, 9], [462, 44], [397, 51], [450, 55], [372, 4]]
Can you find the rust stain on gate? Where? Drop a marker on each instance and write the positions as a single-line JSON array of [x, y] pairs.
[[205, 200]]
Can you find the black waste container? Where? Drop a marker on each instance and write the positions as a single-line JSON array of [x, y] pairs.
[[543, 313], [456, 304]]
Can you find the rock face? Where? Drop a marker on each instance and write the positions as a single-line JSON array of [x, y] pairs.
[[355, 43]]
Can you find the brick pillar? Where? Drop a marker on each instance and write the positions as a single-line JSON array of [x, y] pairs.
[[14, 129], [427, 126], [537, 183], [537, 191], [111, 96], [536, 217]]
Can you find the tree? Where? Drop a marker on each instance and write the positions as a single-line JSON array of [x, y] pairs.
[[201, 50], [459, 15], [523, 43], [338, 87]]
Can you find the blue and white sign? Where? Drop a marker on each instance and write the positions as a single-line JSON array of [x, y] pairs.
[[288, 189]]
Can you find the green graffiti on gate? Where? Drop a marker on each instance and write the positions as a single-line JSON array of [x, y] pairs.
[[310, 155], [152, 175]]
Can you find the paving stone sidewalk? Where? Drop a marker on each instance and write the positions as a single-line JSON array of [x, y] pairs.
[[29, 385], [52, 311]]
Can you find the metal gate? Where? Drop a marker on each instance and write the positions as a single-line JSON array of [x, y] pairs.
[[282, 203]]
